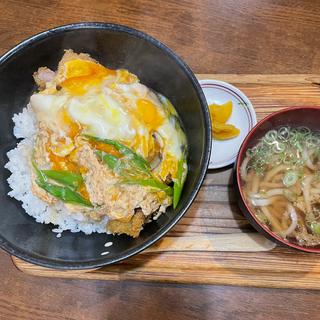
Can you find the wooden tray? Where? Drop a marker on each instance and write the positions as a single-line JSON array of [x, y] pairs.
[[213, 243]]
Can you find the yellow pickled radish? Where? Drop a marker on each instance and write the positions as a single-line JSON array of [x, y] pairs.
[[220, 113], [219, 116], [223, 131]]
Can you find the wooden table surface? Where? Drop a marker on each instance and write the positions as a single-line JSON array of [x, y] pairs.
[[213, 36]]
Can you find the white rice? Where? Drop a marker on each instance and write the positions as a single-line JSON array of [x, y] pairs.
[[20, 183]]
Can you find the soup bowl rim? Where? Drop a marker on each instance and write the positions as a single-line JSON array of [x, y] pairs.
[[242, 202]]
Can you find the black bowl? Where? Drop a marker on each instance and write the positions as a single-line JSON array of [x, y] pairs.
[[293, 117], [116, 47]]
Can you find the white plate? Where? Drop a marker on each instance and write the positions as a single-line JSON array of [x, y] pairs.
[[243, 117]]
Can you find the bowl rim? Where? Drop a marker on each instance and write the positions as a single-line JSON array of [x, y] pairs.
[[89, 264], [243, 148]]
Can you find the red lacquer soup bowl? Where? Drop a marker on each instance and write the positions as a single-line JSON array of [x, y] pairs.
[[292, 117]]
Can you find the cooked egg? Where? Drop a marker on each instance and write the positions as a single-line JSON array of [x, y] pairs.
[[61, 146], [102, 116], [148, 114], [47, 108], [174, 142], [80, 75], [110, 104]]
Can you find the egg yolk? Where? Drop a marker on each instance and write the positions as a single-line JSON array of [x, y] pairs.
[[115, 197], [124, 76], [62, 163], [82, 74], [61, 146], [73, 128], [145, 115], [154, 148], [83, 191], [140, 144], [106, 148], [148, 114], [169, 165]]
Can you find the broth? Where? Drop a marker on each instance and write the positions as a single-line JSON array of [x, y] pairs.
[[281, 183]]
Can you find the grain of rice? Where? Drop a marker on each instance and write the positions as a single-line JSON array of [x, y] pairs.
[[20, 182]]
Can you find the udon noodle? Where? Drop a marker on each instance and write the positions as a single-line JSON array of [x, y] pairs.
[[281, 183]]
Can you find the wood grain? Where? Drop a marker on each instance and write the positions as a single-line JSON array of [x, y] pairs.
[[278, 269], [234, 36], [25, 297], [188, 254]]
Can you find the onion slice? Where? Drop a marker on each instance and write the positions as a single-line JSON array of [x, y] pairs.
[[243, 169], [260, 202], [294, 221], [306, 158], [268, 194]]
